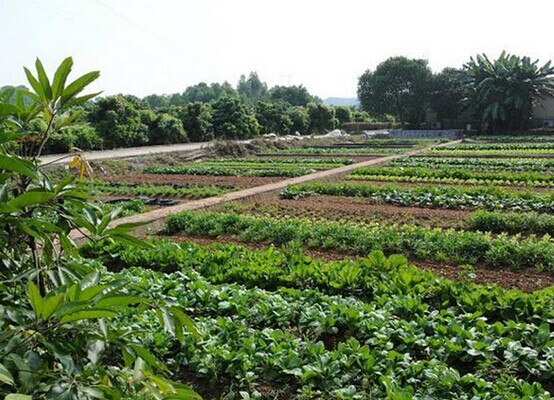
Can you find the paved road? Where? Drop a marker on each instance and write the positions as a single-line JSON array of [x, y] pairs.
[[127, 152]]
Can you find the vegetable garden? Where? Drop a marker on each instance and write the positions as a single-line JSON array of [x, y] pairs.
[[270, 316]]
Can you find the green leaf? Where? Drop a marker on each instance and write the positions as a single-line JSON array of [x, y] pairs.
[[15, 396], [51, 305], [30, 199], [89, 314], [114, 301], [78, 85], [15, 164], [6, 376], [148, 357], [43, 80], [60, 77], [35, 84], [35, 298]]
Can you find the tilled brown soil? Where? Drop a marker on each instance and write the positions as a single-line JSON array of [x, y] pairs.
[[340, 208], [527, 280], [236, 181]]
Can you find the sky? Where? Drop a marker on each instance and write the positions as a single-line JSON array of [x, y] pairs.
[[162, 46]]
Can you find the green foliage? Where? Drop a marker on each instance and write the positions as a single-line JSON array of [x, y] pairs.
[[278, 319], [234, 119], [273, 117], [119, 122], [451, 197], [543, 165], [226, 171], [448, 90], [167, 129], [252, 89], [514, 223], [322, 118], [196, 118], [398, 86], [154, 190], [57, 336], [502, 92], [344, 114], [294, 95], [452, 175], [422, 243], [300, 119]]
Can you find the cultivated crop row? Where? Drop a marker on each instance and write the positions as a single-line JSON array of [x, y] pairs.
[[152, 190], [488, 198], [422, 243], [452, 175], [321, 328], [484, 164], [227, 171]]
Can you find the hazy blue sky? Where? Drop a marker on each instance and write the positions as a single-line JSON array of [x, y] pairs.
[[162, 46]]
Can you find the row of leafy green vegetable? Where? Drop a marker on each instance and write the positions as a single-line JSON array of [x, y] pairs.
[[450, 197], [425, 244], [485, 164], [227, 171], [411, 327], [154, 190], [452, 175]]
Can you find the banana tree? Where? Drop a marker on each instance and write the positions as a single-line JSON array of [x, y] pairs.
[[503, 92]]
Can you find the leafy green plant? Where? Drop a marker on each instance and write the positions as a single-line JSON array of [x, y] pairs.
[[450, 197], [57, 337], [420, 243]]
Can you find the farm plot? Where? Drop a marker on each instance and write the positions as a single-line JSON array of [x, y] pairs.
[[254, 167], [275, 324], [545, 149], [275, 318]]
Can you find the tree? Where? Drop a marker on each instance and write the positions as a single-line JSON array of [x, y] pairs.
[[205, 93], [197, 120], [118, 121], [294, 95], [343, 114], [448, 90], [157, 101], [167, 129], [273, 117], [234, 119], [300, 119], [502, 92], [322, 118], [57, 335], [398, 86], [252, 89]]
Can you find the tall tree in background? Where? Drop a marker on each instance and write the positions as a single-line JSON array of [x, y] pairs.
[[234, 119], [322, 118], [502, 92], [197, 120], [398, 86], [252, 88], [448, 90], [294, 95]]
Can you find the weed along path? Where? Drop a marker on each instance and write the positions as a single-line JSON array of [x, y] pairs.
[[162, 213]]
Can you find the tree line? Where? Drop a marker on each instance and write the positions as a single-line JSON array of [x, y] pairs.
[[500, 94], [202, 112]]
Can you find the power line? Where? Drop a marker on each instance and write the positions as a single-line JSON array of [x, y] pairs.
[[128, 20]]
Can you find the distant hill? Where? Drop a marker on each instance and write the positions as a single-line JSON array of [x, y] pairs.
[[341, 101]]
